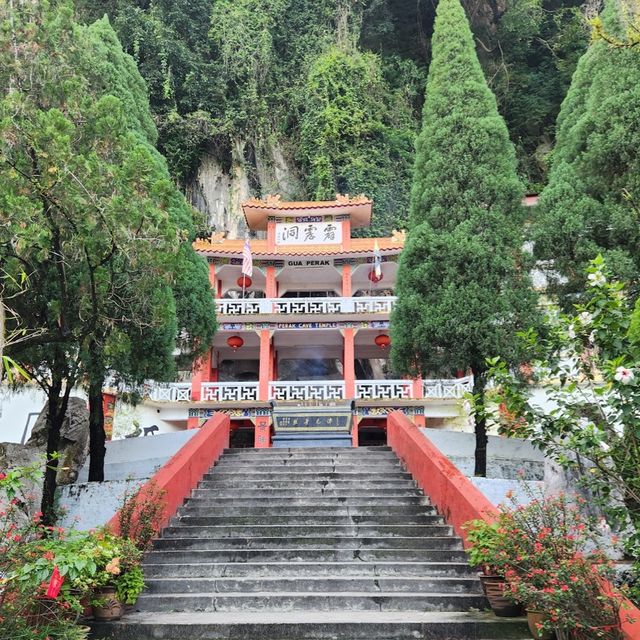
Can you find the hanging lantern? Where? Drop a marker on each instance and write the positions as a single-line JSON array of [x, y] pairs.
[[382, 341], [244, 282], [373, 277], [235, 342]]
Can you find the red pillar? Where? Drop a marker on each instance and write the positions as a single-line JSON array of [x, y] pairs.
[[418, 393], [346, 281], [212, 277], [348, 364], [354, 432], [262, 438], [265, 365], [200, 373], [271, 289]]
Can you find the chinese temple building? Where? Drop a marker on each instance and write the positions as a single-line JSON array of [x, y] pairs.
[[301, 353]]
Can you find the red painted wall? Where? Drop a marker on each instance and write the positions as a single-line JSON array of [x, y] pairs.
[[185, 469], [457, 499]]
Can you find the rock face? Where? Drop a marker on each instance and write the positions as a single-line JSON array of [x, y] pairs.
[[74, 443], [74, 439], [220, 186]]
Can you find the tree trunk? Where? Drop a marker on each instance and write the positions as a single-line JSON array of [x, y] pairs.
[[97, 435], [480, 425], [55, 417]]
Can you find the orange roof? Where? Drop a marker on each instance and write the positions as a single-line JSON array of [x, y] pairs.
[[257, 211], [259, 247]]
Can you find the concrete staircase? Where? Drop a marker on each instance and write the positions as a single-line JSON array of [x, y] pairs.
[[309, 543]]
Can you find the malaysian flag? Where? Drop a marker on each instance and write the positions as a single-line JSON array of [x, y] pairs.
[[247, 260], [377, 261]]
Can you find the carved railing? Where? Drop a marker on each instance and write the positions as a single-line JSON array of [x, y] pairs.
[[384, 389], [229, 391], [304, 306], [313, 390], [174, 392], [453, 388]]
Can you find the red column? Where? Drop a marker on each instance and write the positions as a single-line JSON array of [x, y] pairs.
[[346, 234], [262, 437], [418, 393], [265, 365], [271, 289], [200, 373], [354, 432], [271, 235], [348, 364], [212, 277], [346, 281]]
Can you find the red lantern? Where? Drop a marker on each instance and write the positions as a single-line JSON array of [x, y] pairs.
[[244, 282], [235, 342], [382, 341], [373, 277]]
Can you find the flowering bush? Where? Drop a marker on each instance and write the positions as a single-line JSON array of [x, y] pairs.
[[548, 552], [47, 572], [587, 364]]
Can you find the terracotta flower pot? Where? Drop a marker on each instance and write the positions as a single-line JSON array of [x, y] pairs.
[[493, 587], [535, 618], [110, 608]]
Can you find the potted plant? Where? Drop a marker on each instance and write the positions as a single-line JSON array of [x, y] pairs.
[[486, 542], [119, 579]]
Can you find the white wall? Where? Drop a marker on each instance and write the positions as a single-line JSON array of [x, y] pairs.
[[18, 412]]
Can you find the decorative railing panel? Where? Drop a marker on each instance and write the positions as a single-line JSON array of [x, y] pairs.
[[288, 391], [304, 306], [175, 392], [229, 391], [384, 389], [454, 388]]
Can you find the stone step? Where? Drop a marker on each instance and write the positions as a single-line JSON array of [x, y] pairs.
[[312, 502], [291, 492], [305, 530], [330, 601], [295, 482], [309, 466], [310, 542], [313, 625], [307, 584], [360, 451], [305, 555], [286, 474], [306, 519], [314, 569], [203, 508]]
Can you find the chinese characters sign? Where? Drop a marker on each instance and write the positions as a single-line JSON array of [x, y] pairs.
[[308, 233]]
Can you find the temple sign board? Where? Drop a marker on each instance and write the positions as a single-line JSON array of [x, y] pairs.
[[288, 233]]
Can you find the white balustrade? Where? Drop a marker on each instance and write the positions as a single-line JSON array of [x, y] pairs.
[[453, 388], [174, 392], [229, 391], [384, 389], [312, 390], [305, 306]]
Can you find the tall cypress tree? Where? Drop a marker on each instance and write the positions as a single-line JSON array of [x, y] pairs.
[[592, 202], [463, 287]]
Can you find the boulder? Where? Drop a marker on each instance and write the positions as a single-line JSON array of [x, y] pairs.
[[74, 439]]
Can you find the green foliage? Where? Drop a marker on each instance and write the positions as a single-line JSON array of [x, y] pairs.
[[230, 70], [130, 585], [587, 367], [356, 134], [591, 203], [462, 283], [539, 43]]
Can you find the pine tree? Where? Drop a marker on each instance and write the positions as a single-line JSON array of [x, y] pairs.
[[88, 211], [592, 202], [463, 287]]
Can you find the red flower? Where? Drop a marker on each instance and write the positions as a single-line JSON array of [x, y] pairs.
[[3, 476]]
